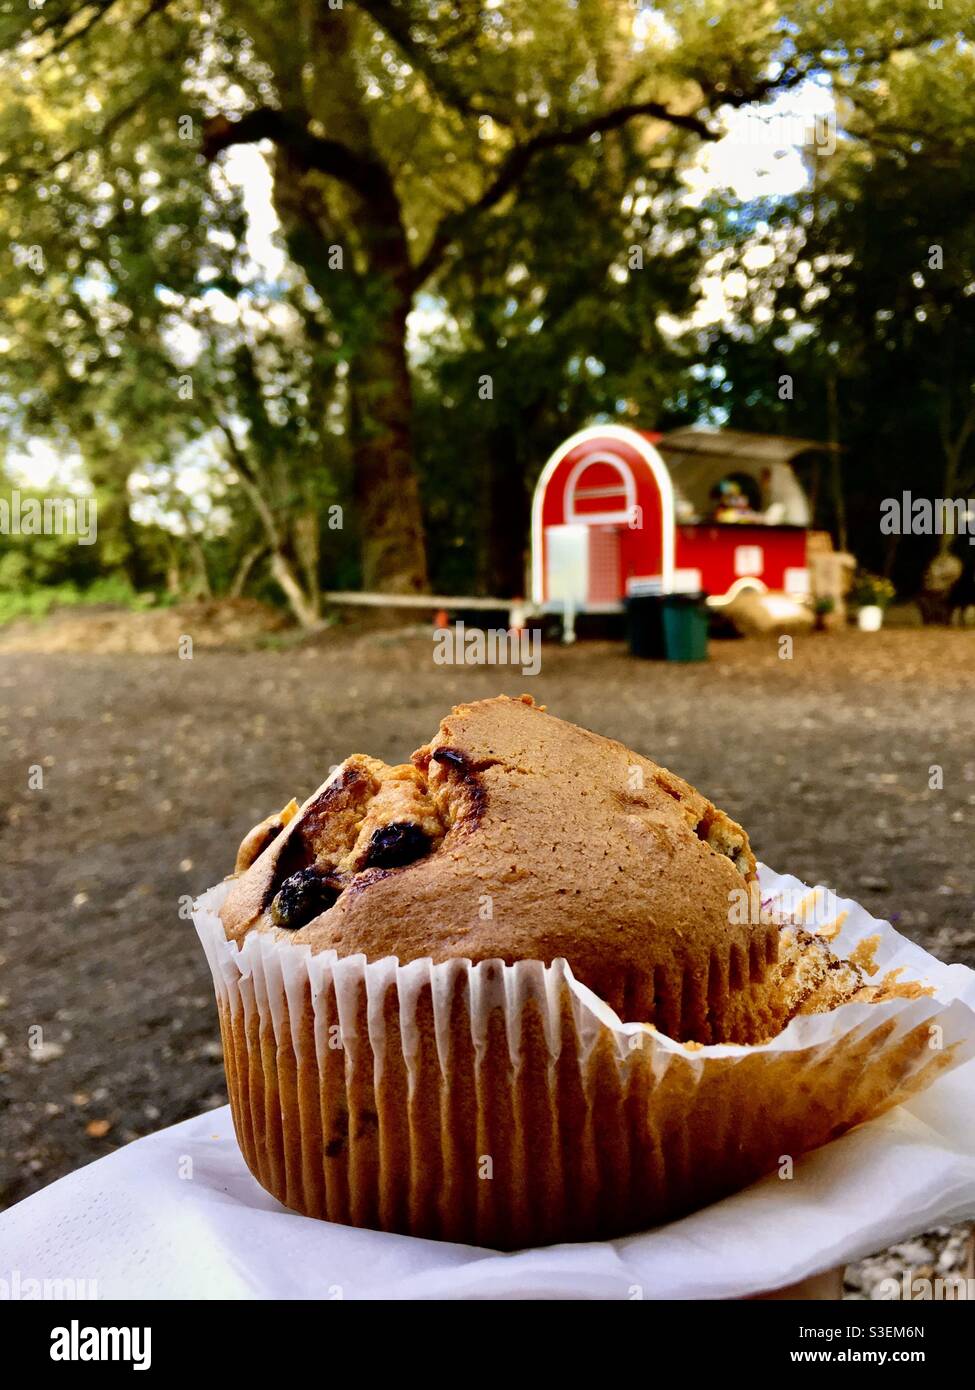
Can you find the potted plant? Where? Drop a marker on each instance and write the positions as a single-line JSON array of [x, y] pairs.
[[823, 609], [871, 595]]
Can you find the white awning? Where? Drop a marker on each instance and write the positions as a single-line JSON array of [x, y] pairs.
[[698, 459]]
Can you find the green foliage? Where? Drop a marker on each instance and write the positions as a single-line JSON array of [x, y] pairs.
[[559, 309], [868, 307], [138, 333], [872, 589], [36, 603]]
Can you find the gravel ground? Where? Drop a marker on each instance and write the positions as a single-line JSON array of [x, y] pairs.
[[154, 767]]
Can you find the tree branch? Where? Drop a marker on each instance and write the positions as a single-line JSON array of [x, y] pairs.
[[728, 93], [67, 39], [247, 562], [241, 466], [731, 91], [367, 176], [59, 24], [99, 139], [428, 61], [517, 161], [155, 7], [897, 138], [57, 20]]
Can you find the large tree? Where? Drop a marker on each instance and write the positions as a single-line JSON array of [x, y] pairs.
[[399, 129]]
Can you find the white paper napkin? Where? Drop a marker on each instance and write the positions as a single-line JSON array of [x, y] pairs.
[[178, 1215]]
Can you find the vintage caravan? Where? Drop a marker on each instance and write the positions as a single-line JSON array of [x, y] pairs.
[[620, 511]]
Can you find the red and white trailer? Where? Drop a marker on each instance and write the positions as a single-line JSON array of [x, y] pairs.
[[619, 512]]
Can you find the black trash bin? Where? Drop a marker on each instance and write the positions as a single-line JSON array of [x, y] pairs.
[[645, 626]]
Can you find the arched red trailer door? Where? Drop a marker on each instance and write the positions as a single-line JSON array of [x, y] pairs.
[[602, 521]]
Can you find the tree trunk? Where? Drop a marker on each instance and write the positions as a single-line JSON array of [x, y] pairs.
[[835, 468], [303, 608], [116, 533], [202, 587], [247, 563], [369, 296], [508, 517], [304, 534], [954, 449], [387, 495]]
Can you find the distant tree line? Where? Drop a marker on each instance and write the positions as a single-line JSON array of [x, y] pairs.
[[511, 176]]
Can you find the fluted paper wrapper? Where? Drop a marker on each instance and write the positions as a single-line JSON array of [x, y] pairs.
[[508, 1106]]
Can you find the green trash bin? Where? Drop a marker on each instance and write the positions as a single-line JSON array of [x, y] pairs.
[[645, 626], [685, 627]]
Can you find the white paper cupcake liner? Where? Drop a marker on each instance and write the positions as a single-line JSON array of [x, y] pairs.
[[507, 1105]]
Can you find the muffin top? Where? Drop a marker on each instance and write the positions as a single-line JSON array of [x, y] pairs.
[[511, 835]]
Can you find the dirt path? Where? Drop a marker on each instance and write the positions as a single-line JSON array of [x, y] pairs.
[[153, 768]]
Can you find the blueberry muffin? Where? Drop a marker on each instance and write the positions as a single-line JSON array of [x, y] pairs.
[[516, 836], [461, 997]]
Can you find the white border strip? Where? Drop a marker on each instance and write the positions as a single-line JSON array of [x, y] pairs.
[[627, 486]]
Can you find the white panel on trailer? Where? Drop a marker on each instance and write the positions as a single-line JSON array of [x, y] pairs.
[[568, 564]]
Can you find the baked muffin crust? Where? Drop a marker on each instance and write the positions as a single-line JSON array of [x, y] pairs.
[[514, 835]]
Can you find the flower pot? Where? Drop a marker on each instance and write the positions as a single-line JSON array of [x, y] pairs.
[[870, 618]]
